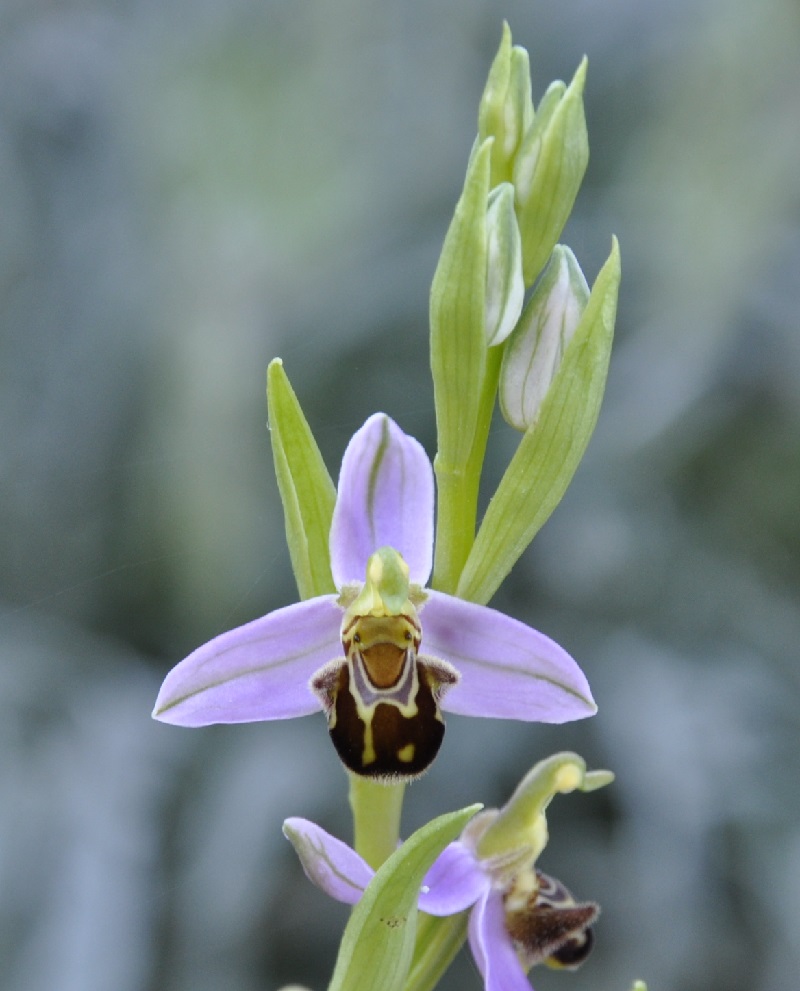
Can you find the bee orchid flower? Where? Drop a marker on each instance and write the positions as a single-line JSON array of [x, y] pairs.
[[385, 655], [519, 916]]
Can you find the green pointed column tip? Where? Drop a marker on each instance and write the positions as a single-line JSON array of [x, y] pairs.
[[306, 489], [506, 109], [548, 170], [387, 590], [532, 357], [521, 823]]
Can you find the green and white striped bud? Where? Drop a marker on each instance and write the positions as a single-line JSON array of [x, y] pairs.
[[506, 109], [534, 351], [505, 288]]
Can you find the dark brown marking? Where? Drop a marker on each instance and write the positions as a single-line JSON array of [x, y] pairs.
[[392, 732]]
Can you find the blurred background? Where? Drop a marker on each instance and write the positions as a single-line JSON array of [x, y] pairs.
[[188, 189]]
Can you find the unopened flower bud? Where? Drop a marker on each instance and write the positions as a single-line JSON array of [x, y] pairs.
[[506, 109], [533, 354], [548, 169], [505, 289]]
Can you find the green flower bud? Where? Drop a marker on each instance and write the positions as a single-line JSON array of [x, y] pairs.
[[505, 289], [506, 110], [551, 448], [535, 349], [548, 169]]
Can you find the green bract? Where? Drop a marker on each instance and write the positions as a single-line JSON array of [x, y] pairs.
[[457, 314], [307, 491], [551, 449], [548, 169], [378, 944]]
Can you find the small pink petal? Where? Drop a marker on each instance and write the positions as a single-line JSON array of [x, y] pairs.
[[329, 863], [454, 882]]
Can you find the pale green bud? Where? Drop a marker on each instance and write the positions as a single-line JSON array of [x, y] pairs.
[[506, 110], [548, 169], [505, 288], [535, 349], [551, 448]]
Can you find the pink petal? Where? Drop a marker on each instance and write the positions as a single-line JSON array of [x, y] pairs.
[[385, 499], [329, 863], [258, 671], [508, 670], [492, 947], [454, 882]]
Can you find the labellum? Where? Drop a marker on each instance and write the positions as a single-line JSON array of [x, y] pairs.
[[545, 922], [382, 698]]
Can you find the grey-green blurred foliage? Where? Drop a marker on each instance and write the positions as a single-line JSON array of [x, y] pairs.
[[188, 189]]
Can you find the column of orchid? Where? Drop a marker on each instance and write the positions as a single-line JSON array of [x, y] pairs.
[[392, 627]]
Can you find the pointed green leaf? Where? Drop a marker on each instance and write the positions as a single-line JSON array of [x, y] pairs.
[[550, 450], [307, 491], [378, 944]]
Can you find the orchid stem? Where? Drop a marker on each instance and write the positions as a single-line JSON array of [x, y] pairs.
[[376, 818]]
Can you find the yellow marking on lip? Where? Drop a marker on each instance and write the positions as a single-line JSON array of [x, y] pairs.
[[406, 753]]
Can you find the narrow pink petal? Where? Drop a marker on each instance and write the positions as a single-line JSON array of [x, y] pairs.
[[492, 947], [508, 670], [329, 863], [385, 499], [258, 671], [454, 882]]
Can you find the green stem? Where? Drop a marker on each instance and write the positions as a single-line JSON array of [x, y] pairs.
[[438, 941], [376, 818], [458, 487]]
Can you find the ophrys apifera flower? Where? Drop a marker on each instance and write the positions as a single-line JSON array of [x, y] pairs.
[[386, 655]]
